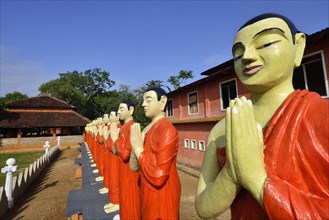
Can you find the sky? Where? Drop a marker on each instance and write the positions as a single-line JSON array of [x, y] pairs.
[[135, 41]]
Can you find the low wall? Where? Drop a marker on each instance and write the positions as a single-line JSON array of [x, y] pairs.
[[41, 140], [25, 178]]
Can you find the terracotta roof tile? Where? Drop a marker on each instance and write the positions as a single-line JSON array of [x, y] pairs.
[[11, 119], [43, 101]]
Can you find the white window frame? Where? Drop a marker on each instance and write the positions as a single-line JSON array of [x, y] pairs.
[[186, 143], [204, 146], [193, 146], [324, 71], [220, 91], [197, 102], [172, 108]]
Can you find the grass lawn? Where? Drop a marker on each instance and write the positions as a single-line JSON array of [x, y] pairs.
[[23, 160]]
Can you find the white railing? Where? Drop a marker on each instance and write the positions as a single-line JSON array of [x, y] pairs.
[[16, 186]]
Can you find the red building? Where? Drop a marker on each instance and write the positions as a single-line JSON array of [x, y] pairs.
[[195, 108]]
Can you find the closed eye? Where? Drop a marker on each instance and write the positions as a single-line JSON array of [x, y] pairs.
[[268, 44]]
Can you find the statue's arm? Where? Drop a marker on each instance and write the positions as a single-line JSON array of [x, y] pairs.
[[216, 189]]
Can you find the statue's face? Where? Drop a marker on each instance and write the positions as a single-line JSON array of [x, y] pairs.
[[264, 54], [106, 118], [114, 117], [152, 107], [123, 111]]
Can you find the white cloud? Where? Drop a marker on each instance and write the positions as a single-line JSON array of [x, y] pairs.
[[18, 74]]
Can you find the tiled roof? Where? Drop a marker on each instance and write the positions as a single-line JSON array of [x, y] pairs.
[[317, 36], [39, 102], [18, 119]]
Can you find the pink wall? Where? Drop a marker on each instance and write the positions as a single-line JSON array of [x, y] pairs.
[[192, 131]]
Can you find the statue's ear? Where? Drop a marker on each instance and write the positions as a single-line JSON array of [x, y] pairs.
[[300, 43], [163, 102], [131, 110]]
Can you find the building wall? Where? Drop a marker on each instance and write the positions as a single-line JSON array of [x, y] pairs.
[[41, 140], [192, 131]]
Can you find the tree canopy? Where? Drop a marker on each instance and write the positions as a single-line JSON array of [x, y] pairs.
[[92, 94], [183, 75], [9, 97]]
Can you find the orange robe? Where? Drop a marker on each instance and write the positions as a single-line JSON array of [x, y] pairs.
[[101, 156], [113, 172], [297, 162], [98, 153], [129, 181], [106, 166], [160, 185]]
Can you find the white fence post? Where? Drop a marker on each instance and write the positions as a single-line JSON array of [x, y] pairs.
[[58, 143], [9, 170], [46, 146]]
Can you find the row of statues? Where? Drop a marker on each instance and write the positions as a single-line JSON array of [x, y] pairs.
[[138, 166], [269, 157]]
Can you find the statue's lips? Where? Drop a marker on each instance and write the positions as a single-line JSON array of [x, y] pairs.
[[252, 70]]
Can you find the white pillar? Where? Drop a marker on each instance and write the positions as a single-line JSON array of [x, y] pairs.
[[9, 170], [58, 143], [46, 147]]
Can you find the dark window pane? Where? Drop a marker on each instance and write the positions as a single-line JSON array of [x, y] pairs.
[[298, 80], [229, 92], [225, 97], [315, 77], [233, 91]]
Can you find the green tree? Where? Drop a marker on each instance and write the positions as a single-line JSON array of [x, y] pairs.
[[9, 97], [81, 89], [2, 103], [154, 83], [183, 75]]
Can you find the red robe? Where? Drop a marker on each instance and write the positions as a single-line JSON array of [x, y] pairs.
[[101, 156], [97, 150], [113, 172], [160, 185], [129, 181], [106, 166], [297, 162]]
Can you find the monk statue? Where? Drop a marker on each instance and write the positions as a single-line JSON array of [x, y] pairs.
[[156, 149], [129, 182], [103, 156], [269, 157], [113, 165]]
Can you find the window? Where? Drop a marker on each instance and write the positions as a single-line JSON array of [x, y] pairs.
[[193, 144], [186, 143], [202, 146], [311, 75], [170, 112], [193, 103], [228, 92]]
